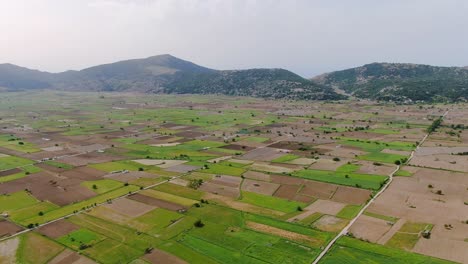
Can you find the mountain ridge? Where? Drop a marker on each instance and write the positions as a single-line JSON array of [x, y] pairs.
[[400, 82], [168, 74]]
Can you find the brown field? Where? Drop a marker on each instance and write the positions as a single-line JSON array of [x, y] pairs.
[[47, 187], [263, 154], [70, 257], [226, 180], [129, 207], [254, 175], [260, 187], [350, 195], [8, 229], [58, 229], [155, 202], [330, 223], [318, 189], [9, 172], [442, 161], [223, 190], [287, 191], [370, 228], [160, 257], [325, 207]]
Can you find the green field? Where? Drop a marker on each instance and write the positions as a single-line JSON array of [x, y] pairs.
[[11, 162], [14, 201], [102, 186], [180, 191], [223, 170], [80, 237], [366, 181], [349, 211], [286, 158], [271, 202], [59, 165], [349, 250], [21, 215]]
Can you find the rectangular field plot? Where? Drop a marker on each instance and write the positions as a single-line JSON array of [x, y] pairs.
[[366, 181], [349, 250]]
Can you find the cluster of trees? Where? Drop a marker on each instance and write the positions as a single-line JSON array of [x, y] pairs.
[[435, 124]]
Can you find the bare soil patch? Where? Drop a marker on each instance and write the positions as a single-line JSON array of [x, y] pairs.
[[129, 207], [325, 207], [8, 229], [182, 168], [58, 229], [8, 250], [369, 228], [318, 189], [351, 195], [262, 166], [223, 190], [155, 202], [238, 147], [83, 173], [9, 172], [260, 187], [287, 191], [264, 154], [226, 180], [330, 223], [160, 257], [254, 175]]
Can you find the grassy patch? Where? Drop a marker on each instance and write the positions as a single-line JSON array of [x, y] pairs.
[[18, 200], [383, 217], [349, 211], [223, 169], [59, 165], [21, 215], [286, 158], [366, 181], [349, 250], [180, 191], [311, 218], [169, 197], [403, 173], [271, 202], [403, 241], [11, 162], [80, 237], [348, 168], [102, 186], [157, 219]]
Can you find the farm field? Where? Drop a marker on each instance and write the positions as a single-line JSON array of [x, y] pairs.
[[129, 178]]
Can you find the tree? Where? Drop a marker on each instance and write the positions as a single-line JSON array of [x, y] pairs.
[[199, 224], [95, 187]]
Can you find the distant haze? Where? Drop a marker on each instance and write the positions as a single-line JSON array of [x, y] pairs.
[[307, 37]]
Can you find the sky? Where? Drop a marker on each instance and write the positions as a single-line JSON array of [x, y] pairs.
[[308, 37]]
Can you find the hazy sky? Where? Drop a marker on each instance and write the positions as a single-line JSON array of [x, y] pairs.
[[308, 37]]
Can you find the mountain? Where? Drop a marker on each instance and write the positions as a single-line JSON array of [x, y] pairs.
[[15, 77], [400, 82], [168, 74]]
